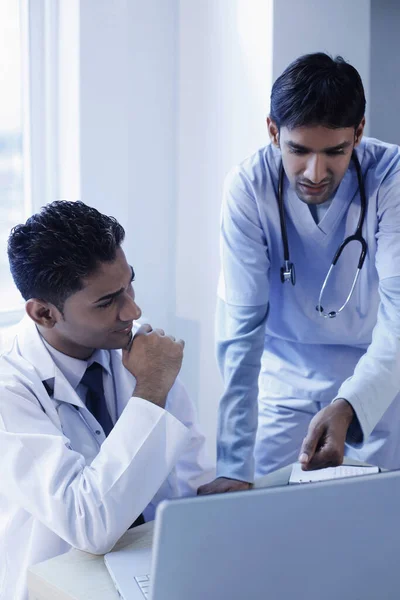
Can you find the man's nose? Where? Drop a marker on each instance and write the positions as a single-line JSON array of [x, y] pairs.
[[130, 311], [316, 170]]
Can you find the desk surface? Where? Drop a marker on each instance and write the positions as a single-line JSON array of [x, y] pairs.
[[78, 575]]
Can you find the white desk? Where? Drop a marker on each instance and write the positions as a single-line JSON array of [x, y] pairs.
[[78, 575]]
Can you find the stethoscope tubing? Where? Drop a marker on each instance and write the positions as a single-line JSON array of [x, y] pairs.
[[288, 270]]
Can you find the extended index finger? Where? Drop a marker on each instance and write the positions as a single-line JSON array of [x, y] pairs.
[[310, 444]]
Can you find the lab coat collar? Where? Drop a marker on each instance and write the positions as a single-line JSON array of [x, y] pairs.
[[33, 349], [75, 368]]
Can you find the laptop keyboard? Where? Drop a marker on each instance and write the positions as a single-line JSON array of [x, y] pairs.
[[143, 582]]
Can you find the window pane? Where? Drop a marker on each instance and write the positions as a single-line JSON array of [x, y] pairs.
[[12, 204]]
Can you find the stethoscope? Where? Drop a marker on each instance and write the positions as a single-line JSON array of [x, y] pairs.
[[288, 272]]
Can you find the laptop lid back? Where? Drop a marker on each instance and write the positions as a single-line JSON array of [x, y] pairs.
[[336, 539]]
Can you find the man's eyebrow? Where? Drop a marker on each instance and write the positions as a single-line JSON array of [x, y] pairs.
[[109, 296], [117, 293], [341, 146], [297, 146]]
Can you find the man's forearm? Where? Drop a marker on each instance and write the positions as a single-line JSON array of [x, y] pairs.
[[376, 379], [240, 343]]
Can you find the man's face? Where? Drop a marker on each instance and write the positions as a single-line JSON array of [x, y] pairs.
[[100, 315], [315, 158]]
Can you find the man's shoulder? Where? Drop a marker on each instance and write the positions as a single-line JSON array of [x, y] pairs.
[[375, 143], [7, 338], [20, 388], [18, 370], [255, 171], [378, 153]]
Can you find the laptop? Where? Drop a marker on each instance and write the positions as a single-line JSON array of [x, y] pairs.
[[333, 539]]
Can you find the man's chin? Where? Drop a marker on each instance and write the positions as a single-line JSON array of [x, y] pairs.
[[314, 197], [113, 345], [123, 342]]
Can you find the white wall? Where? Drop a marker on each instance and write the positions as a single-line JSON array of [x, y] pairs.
[[337, 27], [128, 134], [385, 70], [225, 75]]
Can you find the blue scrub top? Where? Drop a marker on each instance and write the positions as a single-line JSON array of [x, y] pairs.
[[302, 353]]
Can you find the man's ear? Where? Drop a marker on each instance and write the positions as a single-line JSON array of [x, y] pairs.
[[273, 132], [42, 313], [359, 132]]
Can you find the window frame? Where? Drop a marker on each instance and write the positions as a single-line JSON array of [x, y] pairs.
[[50, 32]]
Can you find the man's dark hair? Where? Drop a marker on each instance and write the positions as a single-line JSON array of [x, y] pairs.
[[58, 247], [316, 89]]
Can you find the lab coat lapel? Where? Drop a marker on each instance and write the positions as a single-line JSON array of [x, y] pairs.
[[35, 352], [64, 392]]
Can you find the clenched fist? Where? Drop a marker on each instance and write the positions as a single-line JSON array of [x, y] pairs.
[[155, 360]]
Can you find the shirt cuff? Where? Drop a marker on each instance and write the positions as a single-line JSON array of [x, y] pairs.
[[359, 429]]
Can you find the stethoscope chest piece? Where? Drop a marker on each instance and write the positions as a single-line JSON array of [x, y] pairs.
[[288, 272]]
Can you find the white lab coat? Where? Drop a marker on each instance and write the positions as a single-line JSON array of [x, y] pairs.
[[61, 484]]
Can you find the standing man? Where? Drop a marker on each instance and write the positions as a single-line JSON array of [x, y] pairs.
[[329, 352]]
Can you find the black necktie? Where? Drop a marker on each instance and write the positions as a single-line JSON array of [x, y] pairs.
[[96, 404], [95, 399]]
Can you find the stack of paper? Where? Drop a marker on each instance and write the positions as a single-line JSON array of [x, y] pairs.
[[299, 476]]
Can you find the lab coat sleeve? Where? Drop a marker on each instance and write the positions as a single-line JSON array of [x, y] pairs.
[[194, 468], [376, 379], [240, 333], [89, 506]]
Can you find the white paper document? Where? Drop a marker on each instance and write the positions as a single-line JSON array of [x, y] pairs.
[[299, 476]]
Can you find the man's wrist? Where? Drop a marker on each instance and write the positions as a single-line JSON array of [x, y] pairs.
[[145, 392], [345, 408]]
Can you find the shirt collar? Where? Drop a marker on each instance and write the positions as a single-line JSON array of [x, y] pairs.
[[74, 369]]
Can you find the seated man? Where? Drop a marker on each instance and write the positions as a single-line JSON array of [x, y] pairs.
[[91, 438]]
